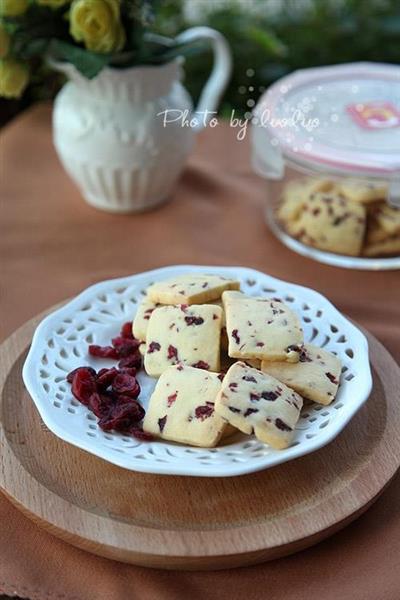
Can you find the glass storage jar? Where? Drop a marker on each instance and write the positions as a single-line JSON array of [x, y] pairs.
[[327, 140]]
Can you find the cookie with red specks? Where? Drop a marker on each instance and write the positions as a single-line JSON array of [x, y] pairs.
[[316, 376], [261, 328], [142, 318], [390, 246], [363, 192], [184, 334], [329, 221], [192, 288], [182, 407], [254, 402]]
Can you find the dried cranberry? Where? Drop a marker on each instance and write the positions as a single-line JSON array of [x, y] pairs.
[[282, 425], [161, 423], [171, 399], [134, 361], [126, 330], [122, 417], [249, 378], [249, 411], [70, 375], [126, 384], [105, 377], [125, 346], [194, 320], [83, 384], [153, 347], [271, 396], [172, 352], [332, 378], [103, 351], [139, 434], [236, 336], [100, 404], [203, 412], [128, 371], [201, 365]]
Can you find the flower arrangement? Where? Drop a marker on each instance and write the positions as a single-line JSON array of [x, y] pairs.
[[90, 34]]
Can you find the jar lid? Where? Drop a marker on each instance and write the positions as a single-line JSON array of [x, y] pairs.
[[343, 118]]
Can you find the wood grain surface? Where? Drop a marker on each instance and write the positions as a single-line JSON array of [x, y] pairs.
[[194, 523]]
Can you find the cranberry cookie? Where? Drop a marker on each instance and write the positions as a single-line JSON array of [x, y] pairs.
[[181, 407], [183, 334], [316, 376], [255, 402], [261, 328], [191, 289]]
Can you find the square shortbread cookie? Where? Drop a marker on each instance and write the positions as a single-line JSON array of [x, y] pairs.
[[261, 328], [191, 289], [181, 407], [255, 402], [183, 334], [316, 376]]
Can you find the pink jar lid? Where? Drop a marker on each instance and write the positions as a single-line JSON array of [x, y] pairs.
[[340, 118]]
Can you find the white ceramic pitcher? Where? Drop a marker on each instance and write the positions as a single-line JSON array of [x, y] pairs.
[[115, 139]]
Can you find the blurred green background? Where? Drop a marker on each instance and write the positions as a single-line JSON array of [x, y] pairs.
[[268, 38]]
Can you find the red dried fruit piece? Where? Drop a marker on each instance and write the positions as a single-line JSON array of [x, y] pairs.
[[236, 336], [271, 396], [250, 411], [103, 351], [249, 378], [161, 423], [100, 404], [194, 320], [128, 371], [105, 377], [126, 330], [153, 347], [201, 365], [70, 375], [171, 399], [282, 425], [83, 384], [203, 412], [332, 378], [139, 434], [122, 417], [126, 384], [172, 352], [133, 361], [125, 346]]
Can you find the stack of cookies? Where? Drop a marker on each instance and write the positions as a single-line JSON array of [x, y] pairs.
[[350, 217], [188, 323]]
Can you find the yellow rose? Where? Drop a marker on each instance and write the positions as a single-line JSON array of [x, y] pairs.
[[53, 3], [13, 8], [4, 42], [14, 77], [97, 24]]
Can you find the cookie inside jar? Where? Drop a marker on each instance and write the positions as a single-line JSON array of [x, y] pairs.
[[351, 217], [328, 145]]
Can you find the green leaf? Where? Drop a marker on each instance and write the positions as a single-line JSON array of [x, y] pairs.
[[88, 63], [267, 40]]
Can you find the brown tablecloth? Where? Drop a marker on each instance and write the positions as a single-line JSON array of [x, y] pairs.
[[52, 245]]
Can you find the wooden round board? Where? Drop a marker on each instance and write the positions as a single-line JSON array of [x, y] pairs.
[[194, 523]]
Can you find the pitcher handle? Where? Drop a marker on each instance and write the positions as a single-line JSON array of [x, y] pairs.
[[216, 83]]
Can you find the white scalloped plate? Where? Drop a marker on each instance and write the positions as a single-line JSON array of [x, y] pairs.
[[95, 316]]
